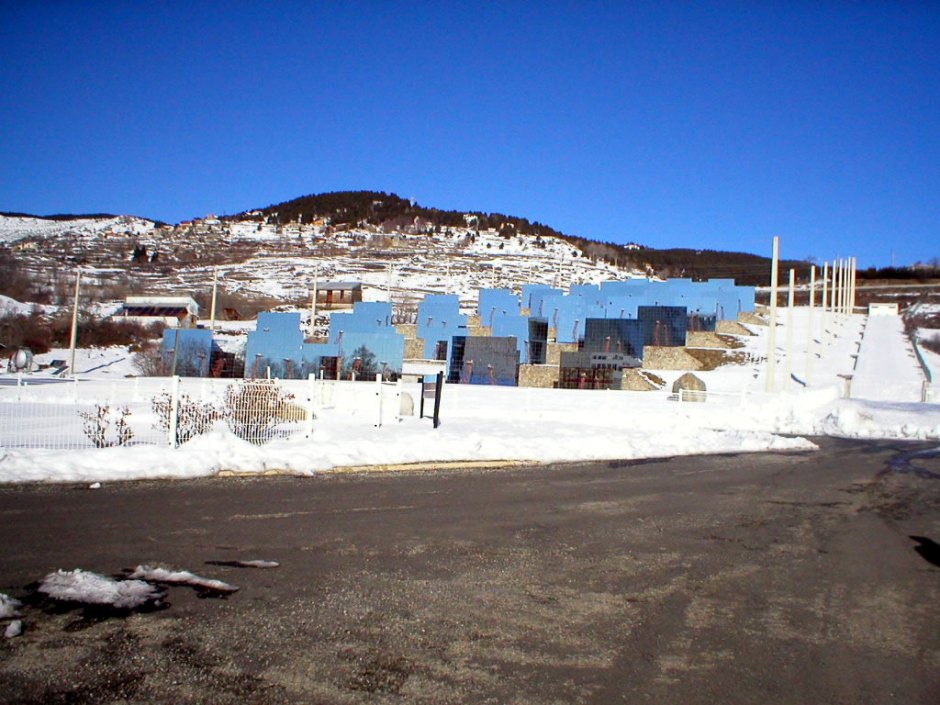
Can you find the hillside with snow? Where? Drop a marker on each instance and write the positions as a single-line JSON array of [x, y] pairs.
[[14, 228], [276, 264]]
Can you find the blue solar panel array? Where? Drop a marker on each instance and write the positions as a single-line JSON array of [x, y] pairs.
[[614, 317], [361, 343], [439, 320]]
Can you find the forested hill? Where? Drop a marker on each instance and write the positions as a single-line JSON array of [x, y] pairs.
[[391, 211], [379, 208]]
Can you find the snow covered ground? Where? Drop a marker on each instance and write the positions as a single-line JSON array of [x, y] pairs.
[[14, 228], [533, 425]]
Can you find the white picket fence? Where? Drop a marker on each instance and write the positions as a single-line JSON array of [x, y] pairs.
[[77, 414]]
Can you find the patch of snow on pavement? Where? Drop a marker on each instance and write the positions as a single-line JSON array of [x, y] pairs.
[[86, 587], [9, 607], [160, 574]]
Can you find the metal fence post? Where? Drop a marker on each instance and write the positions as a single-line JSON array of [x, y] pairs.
[[311, 390], [378, 382], [174, 409], [438, 388], [398, 388]]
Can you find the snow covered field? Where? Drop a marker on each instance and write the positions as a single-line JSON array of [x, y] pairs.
[[530, 425]]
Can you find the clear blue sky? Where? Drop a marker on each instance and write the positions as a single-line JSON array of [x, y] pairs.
[[673, 124]]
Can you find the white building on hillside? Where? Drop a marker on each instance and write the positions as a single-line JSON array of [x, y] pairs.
[[172, 311]]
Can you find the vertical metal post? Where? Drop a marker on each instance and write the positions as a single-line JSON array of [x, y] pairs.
[[174, 409], [811, 339], [772, 323], [378, 393], [73, 338], [846, 283], [790, 297], [836, 293], [313, 301], [215, 290], [311, 389], [438, 388], [398, 390], [176, 350], [823, 329], [854, 282]]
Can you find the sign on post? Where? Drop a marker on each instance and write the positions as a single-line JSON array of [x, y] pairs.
[[432, 390]]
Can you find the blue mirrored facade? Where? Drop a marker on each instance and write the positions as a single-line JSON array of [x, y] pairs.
[[614, 320]]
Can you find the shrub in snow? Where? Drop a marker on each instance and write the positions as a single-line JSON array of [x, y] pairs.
[[91, 588], [254, 408], [193, 418], [107, 427]]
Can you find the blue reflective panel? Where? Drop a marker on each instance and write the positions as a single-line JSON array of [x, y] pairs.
[[484, 360], [493, 301], [530, 293], [278, 323], [364, 318], [590, 294], [439, 313], [543, 301], [704, 304], [614, 335], [191, 348], [274, 346], [727, 305], [571, 319], [368, 354], [514, 326], [664, 325], [368, 316], [623, 306], [745, 298]]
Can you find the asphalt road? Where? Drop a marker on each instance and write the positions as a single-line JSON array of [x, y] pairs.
[[772, 578]]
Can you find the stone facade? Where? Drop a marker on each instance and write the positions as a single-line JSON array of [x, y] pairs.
[[544, 376], [553, 355], [707, 339], [639, 381], [668, 358], [731, 328], [409, 330], [752, 319], [414, 349]]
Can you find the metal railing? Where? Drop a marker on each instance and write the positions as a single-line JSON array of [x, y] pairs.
[[171, 411]]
